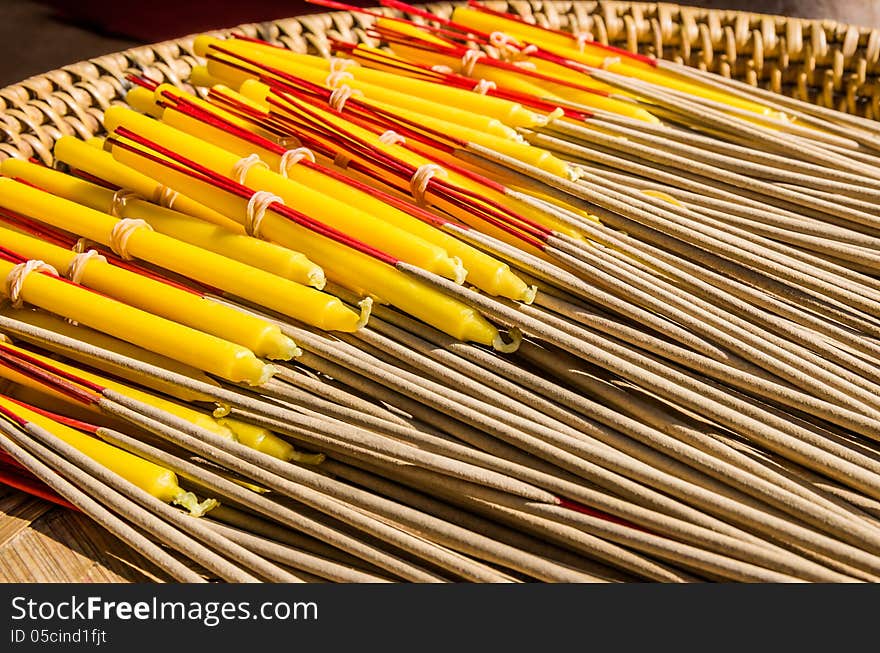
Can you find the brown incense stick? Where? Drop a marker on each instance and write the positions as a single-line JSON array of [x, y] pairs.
[[82, 499]]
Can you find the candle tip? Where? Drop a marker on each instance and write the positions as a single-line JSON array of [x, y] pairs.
[[508, 347], [222, 410], [317, 278], [190, 502]]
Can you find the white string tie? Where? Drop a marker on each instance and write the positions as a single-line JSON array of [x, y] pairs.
[[340, 64], [550, 117], [340, 96], [337, 77], [81, 245], [257, 206], [609, 61], [291, 157], [77, 265], [469, 60], [484, 86], [501, 40], [582, 39], [122, 231], [391, 137], [17, 275], [76, 269], [418, 184], [243, 166], [164, 196], [443, 70], [507, 45]]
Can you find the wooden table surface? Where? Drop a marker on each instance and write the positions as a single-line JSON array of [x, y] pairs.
[[44, 543]]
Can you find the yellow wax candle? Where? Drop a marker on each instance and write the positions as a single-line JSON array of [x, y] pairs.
[[596, 101], [267, 442], [178, 410], [168, 93], [260, 336], [199, 76], [597, 57], [513, 81], [58, 404], [429, 100], [89, 158], [295, 300], [484, 272], [563, 74], [323, 207], [50, 322], [201, 350], [228, 74], [409, 29], [156, 480], [141, 99], [351, 269], [258, 91], [536, 156], [258, 253], [507, 111]]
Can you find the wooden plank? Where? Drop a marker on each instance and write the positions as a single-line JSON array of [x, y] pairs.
[[43, 543], [17, 512]]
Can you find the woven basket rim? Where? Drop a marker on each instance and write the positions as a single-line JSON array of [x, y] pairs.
[[823, 61], [137, 51]]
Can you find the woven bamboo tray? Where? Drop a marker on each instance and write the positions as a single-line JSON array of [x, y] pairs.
[[825, 62]]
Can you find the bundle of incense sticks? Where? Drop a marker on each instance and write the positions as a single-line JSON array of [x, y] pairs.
[[479, 301]]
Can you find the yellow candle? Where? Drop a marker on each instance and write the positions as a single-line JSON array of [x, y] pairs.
[[261, 254], [178, 410], [351, 269], [508, 112], [429, 101], [295, 300], [542, 89], [484, 272], [249, 435], [508, 80], [54, 323], [409, 29], [157, 480], [213, 148], [267, 442], [230, 75], [199, 76], [260, 336], [88, 158], [167, 93], [597, 57], [201, 350], [141, 99], [256, 91], [258, 253], [536, 156]]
